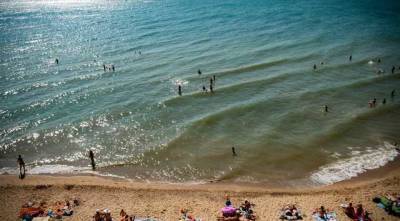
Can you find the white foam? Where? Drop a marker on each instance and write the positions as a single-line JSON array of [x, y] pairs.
[[46, 169], [359, 162], [56, 169]]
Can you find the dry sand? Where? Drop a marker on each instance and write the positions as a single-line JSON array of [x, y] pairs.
[[164, 201]]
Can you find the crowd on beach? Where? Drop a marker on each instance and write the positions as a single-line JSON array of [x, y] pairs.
[[32, 211]]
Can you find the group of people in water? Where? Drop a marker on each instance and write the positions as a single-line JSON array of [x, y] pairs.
[[109, 67], [211, 85]]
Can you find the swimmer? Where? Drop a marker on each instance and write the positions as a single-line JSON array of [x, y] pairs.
[[350, 58], [315, 67], [322, 63], [384, 101], [180, 90], [234, 152], [199, 72]]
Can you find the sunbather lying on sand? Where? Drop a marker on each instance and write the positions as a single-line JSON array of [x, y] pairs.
[[290, 212], [358, 214]]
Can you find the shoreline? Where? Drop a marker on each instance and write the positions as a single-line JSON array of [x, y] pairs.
[[164, 201]]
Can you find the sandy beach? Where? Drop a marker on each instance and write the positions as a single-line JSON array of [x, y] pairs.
[[164, 201]]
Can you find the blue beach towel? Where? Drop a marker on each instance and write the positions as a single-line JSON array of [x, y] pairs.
[[331, 216]]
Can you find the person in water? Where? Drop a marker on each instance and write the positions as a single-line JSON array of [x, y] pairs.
[[180, 90], [393, 69], [91, 156], [384, 101], [199, 72], [214, 78], [211, 88], [112, 67], [326, 108], [315, 67], [56, 60], [392, 93], [104, 67], [350, 58], [204, 89], [234, 152], [374, 102], [21, 164], [379, 60]]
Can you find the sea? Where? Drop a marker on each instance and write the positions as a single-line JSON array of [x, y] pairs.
[[268, 101]]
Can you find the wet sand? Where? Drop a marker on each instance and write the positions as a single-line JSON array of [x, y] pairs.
[[164, 201]]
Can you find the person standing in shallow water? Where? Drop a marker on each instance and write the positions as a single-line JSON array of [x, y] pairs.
[[350, 58], [91, 156], [326, 108], [234, 152], [56, 60], [315, 67], [21, 164], [180, 90], [199, 72], [393, 69]]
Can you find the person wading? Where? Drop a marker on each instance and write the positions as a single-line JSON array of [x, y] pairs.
[[91, 156], [21, 164]]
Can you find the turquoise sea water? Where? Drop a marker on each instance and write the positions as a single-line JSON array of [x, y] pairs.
[[268, 100]]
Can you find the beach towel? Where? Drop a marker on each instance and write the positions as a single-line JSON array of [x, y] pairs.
[[145, 219], [41, 218], [388, 205], [330, 216]]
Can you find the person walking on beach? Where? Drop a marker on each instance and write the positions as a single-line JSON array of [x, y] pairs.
[[21, 164], [350, 58], [234, 152], [91, 156], [199, 72], [180, 90]]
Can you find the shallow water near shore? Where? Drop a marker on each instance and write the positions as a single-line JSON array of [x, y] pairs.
[[268, 101]]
